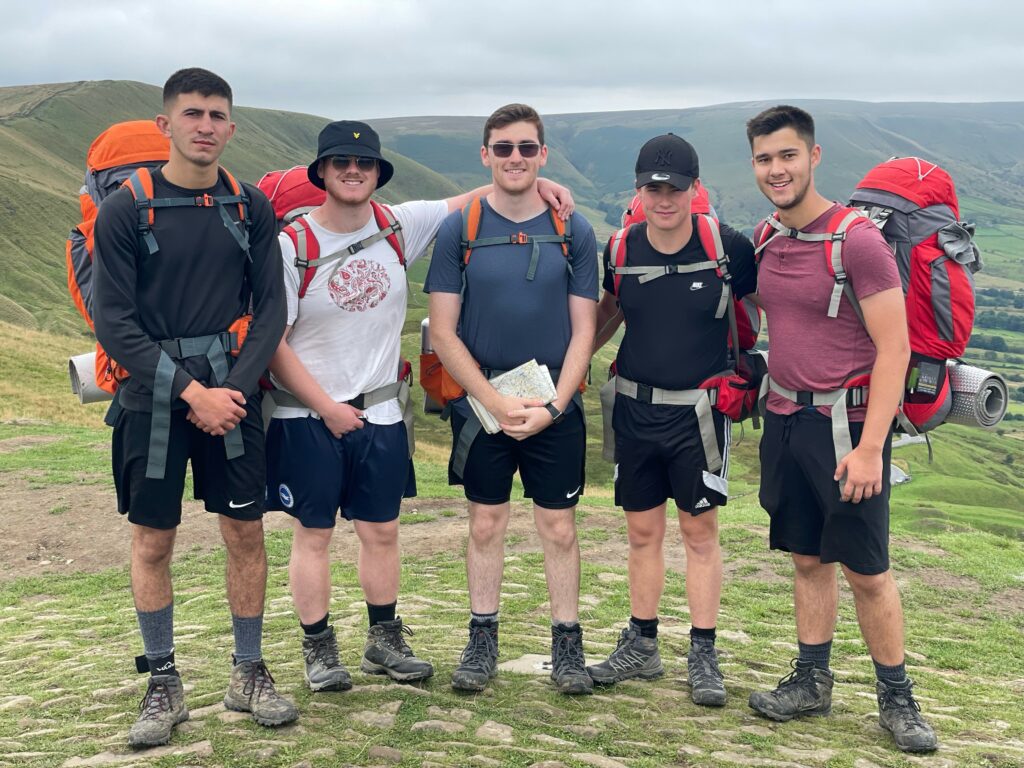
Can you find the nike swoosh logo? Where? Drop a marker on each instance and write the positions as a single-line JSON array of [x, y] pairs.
[[239, 506], [570, 495]]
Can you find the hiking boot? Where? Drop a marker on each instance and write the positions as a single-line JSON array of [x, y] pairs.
[[706, 684], [479, 661], [568, 667], [806, 690], [387, 653], [324, 671], [162, 708], [900, 714], [634, 656], [251, 689]]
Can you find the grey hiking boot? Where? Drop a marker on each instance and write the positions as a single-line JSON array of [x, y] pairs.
[[568, 667], [804, 691], [479, 661], [900, 714], [634, 656], [162, 708], [251, 689], [706, 684], [324, 671], [387, 653]]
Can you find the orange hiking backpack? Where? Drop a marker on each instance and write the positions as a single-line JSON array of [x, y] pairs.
[[115, 155]]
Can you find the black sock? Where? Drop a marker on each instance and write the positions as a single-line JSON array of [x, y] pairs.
[[317, 627], [647, 627], [379, 613], [562, 626], [818, 654], [479, 619], [891, 676], [162, 665], [700, 636]]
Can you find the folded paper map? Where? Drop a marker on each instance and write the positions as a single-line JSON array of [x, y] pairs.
[[529, 380]]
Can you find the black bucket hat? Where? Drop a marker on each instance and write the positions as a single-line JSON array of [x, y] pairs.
[[349, 137]]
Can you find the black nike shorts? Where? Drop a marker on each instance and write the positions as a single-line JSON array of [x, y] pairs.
[[235, 488], [798, 491], [551, 464]]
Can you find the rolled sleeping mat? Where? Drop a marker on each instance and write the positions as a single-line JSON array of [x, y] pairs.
[[980, 397], [82, 371]]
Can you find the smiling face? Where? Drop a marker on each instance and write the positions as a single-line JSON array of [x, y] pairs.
[[199, 127], [514, 175], [345, 182], [784, 167], [666, 207]]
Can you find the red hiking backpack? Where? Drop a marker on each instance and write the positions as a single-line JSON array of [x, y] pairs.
[[291, 194], [914, 203]]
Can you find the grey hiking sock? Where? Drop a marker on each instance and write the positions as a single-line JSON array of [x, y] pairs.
[[248, 637], [895, 675], [817, 653], [157, 628]]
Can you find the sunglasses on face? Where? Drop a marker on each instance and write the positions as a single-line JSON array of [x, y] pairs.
[[526, 148], [341, 162]]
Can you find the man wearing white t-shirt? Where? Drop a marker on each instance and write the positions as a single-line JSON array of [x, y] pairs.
[[335, 441]]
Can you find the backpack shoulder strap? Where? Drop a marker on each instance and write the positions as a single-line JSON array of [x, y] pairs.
[[617, 251], [841, 222], [710, 234], [307, 250], [391, 228], [563, 228], [140, 184], [471, 214]]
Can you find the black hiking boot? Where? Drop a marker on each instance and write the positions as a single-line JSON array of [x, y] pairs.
[[900, 714], [568, 667], [634, 656], [706, 684], [806, 691], [387, 653], [479, 661], [324, 671]]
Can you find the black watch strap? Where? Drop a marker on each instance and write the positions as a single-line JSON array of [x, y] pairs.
[[556, 415]]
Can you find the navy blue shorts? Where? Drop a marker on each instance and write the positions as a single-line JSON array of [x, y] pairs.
[[311, 474], [808, 517]]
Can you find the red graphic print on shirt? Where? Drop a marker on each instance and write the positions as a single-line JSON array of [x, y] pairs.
[[359, 285]]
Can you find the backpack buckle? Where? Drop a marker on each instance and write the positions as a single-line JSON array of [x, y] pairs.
[[520, 238], [204, 201]]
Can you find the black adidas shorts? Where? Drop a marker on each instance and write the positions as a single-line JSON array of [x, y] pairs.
[[234, 488], [649, 472], [551, 464], [797, 490]]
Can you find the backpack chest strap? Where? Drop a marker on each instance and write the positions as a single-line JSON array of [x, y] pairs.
[[351, 250], [521, 238]]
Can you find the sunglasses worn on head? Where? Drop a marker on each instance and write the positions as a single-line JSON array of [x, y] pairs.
[[526, 148], [341, 162]]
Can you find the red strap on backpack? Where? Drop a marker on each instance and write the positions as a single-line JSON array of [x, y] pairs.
[[617, 248]]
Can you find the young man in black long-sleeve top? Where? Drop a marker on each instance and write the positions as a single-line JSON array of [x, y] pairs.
[[183, 256]]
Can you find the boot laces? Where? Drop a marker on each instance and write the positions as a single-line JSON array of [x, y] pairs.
[[482, 648], [568, 652], [325, 650], [156, 701]]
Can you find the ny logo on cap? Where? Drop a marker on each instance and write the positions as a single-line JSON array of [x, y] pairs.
[[354, 134], [664, 157]]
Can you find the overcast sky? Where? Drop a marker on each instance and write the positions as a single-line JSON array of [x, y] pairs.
[[365, 58]]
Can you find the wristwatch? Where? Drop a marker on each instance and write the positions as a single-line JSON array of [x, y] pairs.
[[556, 415]]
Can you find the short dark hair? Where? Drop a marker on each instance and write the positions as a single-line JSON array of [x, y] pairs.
[[513, 113], [196, 80], [779, 117]]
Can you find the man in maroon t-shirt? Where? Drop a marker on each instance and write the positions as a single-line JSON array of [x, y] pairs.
[[828, 504]]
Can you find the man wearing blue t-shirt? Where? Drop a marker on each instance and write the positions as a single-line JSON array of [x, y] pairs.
[[531, 297]]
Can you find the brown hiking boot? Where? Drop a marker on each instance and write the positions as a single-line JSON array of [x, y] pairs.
[[251, 689]]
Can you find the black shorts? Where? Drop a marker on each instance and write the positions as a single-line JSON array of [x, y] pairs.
[[311, 474], [649, 472], [234, 488], [808, 517], [551, 464]]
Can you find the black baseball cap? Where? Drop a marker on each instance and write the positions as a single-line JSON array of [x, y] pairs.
[[667, 159], [349, 137]]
